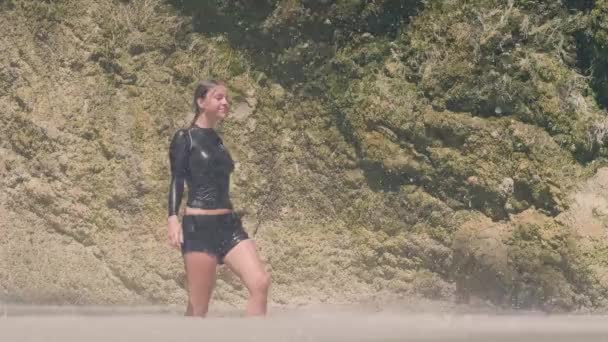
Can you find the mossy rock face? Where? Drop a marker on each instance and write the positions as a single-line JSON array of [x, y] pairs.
[[599, 35], [292, 41], [497, 165], [532, 263], [490, 58]]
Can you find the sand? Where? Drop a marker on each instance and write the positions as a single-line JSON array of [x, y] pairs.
[[21, 323]]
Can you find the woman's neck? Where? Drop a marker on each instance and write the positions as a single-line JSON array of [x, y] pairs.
[[204, 122]]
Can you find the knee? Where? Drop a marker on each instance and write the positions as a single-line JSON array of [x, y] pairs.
[[260, 283]]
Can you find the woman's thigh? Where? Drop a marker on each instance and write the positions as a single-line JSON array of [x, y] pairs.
[[200, 274], [245, 261]]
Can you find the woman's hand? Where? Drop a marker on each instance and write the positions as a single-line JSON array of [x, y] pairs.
[[175, 232]]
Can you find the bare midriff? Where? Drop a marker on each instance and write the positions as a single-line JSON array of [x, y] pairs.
[[198, 211]]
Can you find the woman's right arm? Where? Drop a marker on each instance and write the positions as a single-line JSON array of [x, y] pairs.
[[178, 157]]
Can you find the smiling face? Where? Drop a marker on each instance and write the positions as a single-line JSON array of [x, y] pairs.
[[215, 104]]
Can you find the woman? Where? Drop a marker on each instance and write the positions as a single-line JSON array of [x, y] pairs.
[[211, 233]]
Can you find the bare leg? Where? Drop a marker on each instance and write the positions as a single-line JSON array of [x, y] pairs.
[[200, 274], [245, 262]]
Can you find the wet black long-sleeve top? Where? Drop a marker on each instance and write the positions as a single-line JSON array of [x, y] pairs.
[[199, 158]]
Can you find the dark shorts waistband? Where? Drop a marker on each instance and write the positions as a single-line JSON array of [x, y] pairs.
[[200, 204]]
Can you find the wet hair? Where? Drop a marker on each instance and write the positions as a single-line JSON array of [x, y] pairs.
[[202, 89]]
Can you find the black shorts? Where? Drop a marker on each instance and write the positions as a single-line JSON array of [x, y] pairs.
[[213, 234]]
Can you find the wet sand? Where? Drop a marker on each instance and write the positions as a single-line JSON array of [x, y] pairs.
[[151, 324]]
